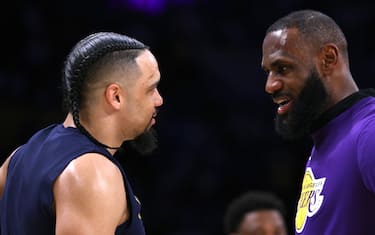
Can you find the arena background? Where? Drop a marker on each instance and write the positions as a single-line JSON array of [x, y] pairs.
[[216, 126]]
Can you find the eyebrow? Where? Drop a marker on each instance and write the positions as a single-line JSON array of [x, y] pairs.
[[278, 62]]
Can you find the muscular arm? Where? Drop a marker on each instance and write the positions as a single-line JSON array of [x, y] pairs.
[[3, 175], [89, 197]]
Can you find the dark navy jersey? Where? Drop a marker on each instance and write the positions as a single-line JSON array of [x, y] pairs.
[[26, 206]]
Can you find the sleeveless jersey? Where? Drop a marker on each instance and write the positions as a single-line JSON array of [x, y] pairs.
[[26, 206]]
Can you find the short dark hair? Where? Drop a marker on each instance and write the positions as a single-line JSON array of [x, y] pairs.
[[250, 202], [314, 27], [87, 56]]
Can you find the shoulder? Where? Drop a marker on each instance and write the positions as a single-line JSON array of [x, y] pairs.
[[364, 117], [90, 186], [91, 170], [365, 140], [365, 151]]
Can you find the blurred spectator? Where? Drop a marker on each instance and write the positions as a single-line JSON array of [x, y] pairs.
[[255, 213]]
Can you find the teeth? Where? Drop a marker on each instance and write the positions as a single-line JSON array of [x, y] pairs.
[[283, 102]]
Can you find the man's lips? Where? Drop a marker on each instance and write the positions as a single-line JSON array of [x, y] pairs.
[[153, 118], [284, 103], [284, 107]]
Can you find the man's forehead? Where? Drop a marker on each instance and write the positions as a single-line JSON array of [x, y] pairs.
[[280, 38], [280, 35], [283, 43]]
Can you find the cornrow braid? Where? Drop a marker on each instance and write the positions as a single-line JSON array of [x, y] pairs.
[[82, 57]]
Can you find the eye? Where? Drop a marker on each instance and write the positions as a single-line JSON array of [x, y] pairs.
[[282, 69], [151, 91]]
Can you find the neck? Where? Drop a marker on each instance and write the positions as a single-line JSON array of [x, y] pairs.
[[342, 86], [68, 122], [96, 135]]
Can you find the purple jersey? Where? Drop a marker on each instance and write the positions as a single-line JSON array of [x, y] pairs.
[[338, 189]]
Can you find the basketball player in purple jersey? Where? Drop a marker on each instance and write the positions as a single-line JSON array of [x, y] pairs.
[[306, 59]]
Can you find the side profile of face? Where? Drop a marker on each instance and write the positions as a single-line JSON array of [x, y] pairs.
[[293, 82], [262, 222], [143, 97]]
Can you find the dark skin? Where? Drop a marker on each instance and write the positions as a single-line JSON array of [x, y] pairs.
[[262, 222], [288, 59]]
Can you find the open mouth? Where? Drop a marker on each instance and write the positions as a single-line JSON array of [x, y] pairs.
[[284, 105]]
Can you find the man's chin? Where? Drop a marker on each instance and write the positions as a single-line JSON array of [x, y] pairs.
[[144, 144], [310, 104], [289, 129]]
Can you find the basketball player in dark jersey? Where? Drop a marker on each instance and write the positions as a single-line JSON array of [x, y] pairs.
[[65, 180]]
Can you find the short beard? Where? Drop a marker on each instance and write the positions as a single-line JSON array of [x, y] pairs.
[[144, 144], [310, 104]]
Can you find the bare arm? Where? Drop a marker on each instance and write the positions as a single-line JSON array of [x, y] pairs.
[[3, 175], [89, 197]]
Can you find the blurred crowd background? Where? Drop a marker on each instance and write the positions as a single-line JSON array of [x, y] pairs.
[[216, 134]]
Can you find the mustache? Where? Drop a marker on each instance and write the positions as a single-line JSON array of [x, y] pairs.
[[280, 94]]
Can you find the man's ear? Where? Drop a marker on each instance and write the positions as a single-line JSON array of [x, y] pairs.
[[328, 58], [113, 95]]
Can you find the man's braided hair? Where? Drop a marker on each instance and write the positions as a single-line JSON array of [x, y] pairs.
[[85, 54]]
